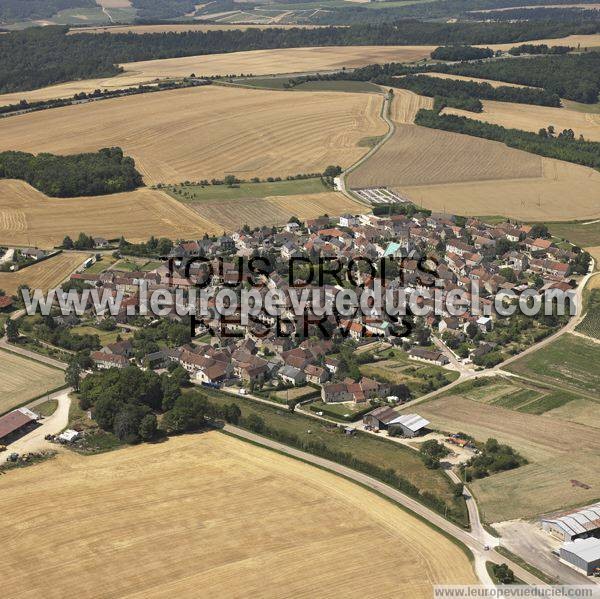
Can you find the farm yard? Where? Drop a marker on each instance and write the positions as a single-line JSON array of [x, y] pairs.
[[560, 453], [533, 118], [28, 217], [206, 132], [212, 512], [22, 379], [45, 275]]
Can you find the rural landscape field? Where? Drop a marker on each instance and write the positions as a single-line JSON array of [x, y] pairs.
[[316, 298], [169, 516]]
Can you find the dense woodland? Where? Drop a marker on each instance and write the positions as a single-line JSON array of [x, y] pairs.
[[38, 57], [450, 88], [19, 10], [539, 49], [571, 76], [106, 171], [461, 53], [563, 146]]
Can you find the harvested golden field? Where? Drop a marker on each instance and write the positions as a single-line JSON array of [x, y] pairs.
[[114, 3], [256, 62], [533, 118], [406, 104], [22, 379], [45, 275], [206, 132], [475, 79], [421, 156], [548, 442], [28, 217], [232, 214], [214, 513], [582, 41]]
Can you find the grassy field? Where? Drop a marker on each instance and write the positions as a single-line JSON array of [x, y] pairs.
[[206, 132], [577, 232], [277, 210], [28, 217], [105, 336], [570, 363], [380, 452], [413, 374], [22, 379], [550, 443], [212, 512], [245, 191], [590, 325], [45, 275], [46, 408], [296, 393], [533, 118]]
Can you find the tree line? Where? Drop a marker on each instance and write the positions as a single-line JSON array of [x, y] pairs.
[[453, 88], [562, 147], [46, 55], [572, 76], [103, 172]]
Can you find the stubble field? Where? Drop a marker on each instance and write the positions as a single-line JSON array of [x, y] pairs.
[[28, 217], [201, 133], [533, 118], [45, 275], [466, 175], [22, 379], [276, 210], [213, 513]]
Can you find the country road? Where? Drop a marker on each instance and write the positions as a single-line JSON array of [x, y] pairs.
[[472, 541]]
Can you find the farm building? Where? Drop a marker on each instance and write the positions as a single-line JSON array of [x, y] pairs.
[[426, 355], [582, 554], [385, 417], [14, 423], [574, 525]]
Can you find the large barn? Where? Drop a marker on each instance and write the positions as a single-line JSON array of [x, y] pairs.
[[582, 554], [578, 524], [15, 423]]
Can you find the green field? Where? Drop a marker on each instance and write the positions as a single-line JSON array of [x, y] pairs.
[[101, 265], [419, 377], [590, 325], [383, 453], [105, 336], [577, 233], [571, 363], [197, 193]]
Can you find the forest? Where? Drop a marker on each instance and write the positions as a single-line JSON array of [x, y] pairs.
[[539, 49], [563, 146], [106, 171], [572, 76], [21, 10], [461, 53], [45, 55], [451, 88]]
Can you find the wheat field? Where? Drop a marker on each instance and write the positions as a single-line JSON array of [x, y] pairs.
[[28, 217], [210, 512], [22, 379], [233, 214], [45, 275], [206, 132], [533, 118]]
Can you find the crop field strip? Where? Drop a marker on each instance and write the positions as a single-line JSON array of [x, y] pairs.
[[28, 217], [22, 379], [197, 133], [212, 512]]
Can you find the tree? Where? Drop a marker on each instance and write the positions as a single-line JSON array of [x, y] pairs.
[[73, 375], [148, 427], [472, 330], [230, 180], [332, 171], [503, 574], [12, 331], [67, 243], [127, 422]]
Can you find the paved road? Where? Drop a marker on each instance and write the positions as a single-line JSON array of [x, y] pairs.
[[474, 544], [52, 425]]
